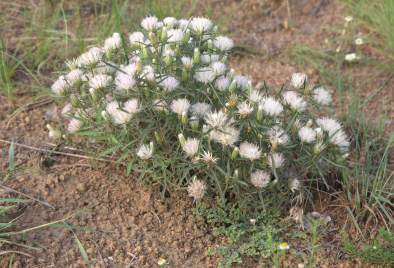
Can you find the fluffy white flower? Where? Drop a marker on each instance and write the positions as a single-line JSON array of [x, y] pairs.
[[131, 106], [359, 41], [159, 105], [276, 160], [136, 39], [187, 62], [183, 24], [222, 83], [350, 57], [196, 189], [322, 96], [91, 57], [103, 68], [227, 136], [145, 151], [74, 76], [260, 178], [180, 106], [249, 151], [60, 85], [66, 111], [175, 35], [277, 135], [112, 42], [298, 80], [217, 119], [169, 21], [205, 75], [150, 23], [255, 96], [122, 115], [271, 106], [200, 24], [218, 67], [340, 139], [208, 157], [244, 108], [190, 147], [329, 125], [294, 100], [241, 81], [100, 81], [130, 69], [223, 43], [200, 109], [307, 134], [169, 83], [124, 82], [208, 58], [148, 73], [74, 125]]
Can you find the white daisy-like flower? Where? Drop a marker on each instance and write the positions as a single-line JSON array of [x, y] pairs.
[[359, 41], [223, 43], [124, 82], [187, 62], [196, 189], [72, 63], [170, 21], [208, 157], [216, 119], [103, 68], [180, 106], [294, 100], [260, 178], [271, 106], [150, 23], [91, 57], [218, 67], [227, 136], [277, 135], [136, 39], [183, 23], [100, 81], [350, 57], [276, 160], [112, 42], [340, 139], [255, 96], [329, 125], [249, 151], [74, 76], [175, 35], [200, 25], [208, 58], [66, 111], [130, 69], [298, 80], [122, 115], [74, 125], [60, 85], [241, 81], [222, 83], [190, 147], [169, 83], [159, 105], [168, 51], [131, 106], [205, 75], [145, 151], [307, 134], [322, 96], [244, 109], [200, 109], [148, 73]]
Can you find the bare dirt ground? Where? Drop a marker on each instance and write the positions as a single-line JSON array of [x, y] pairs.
[[122, 223]]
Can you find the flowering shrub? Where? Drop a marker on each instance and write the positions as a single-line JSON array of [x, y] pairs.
[[165, 101]]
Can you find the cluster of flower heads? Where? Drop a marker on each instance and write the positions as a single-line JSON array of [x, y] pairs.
[[175, 71]]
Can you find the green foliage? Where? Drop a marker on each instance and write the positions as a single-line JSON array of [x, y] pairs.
[[378, 251]]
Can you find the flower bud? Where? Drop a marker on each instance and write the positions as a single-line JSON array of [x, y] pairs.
[[259, 114], [158, 138], [185, 75], [184, 118], [182, 139], [163, 36], [74, 101], [196, 56], [186, 36], [194, 122], [236, 173], [152, 38], [210, 44], [232, 86], [235, 153]]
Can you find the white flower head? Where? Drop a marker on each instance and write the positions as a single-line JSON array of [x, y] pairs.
[[200, 109], [136, 39], [190, 147], [271, 106], [74, 125], [359, 41], [122, 115], [60, 85], [187, 62], [170, 21], [169, 83], [329, 125], [100, 81], [227, 136], [205, 75], [276, 160], [150, 23], [294, 100], [74, 76], [350, 57], [148, 73], [208, 157], [348, 19], [217, 119], [244, 109], [260, 178], [223, 43], [66, 111], [222, 83], [241, 81], [200, 25], [340, 139], [298, 80], [322, 96], [249, 151], [208, 58], [307, 134], [255, 96], [131, 106], [277, 135], [145, 151], [159, 105], [196, 189], [124, 82], [180, 106], [175, 35], [113, 42], [130, 69], [91, 57], [218, 68]]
